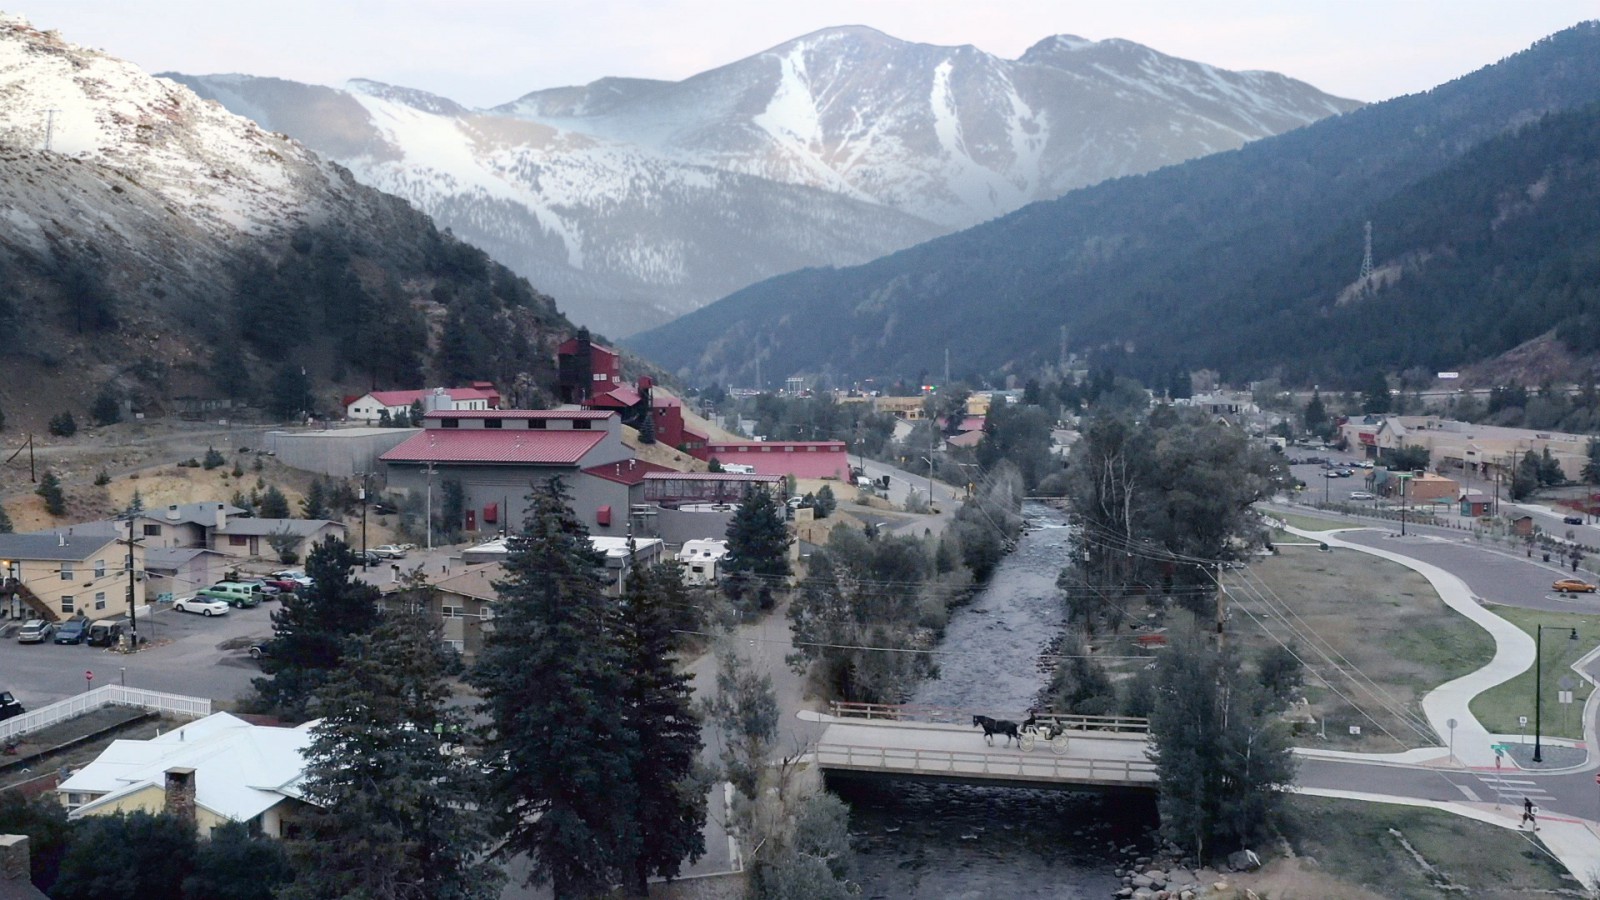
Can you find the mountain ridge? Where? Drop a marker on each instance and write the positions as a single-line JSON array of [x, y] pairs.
[[1140, 262], [842, 145]]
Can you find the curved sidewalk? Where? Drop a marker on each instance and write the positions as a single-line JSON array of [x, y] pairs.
[[1513, 655]]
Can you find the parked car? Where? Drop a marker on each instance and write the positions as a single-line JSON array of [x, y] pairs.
[[298, 576], [257, 651], [389, 551], [1572, 520], [205, 606], [237, 594], [72, 631], [384, 509], [10, 707], [266, 589], [35, 631], [1572, 586], [1361, 495], [281, 585], [104, 634]]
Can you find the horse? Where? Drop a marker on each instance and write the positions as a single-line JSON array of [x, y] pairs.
[[992, 727]]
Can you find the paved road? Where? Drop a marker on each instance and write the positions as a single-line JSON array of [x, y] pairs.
[[187, 657]]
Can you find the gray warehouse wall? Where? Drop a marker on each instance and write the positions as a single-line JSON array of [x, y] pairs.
[[342, 452]]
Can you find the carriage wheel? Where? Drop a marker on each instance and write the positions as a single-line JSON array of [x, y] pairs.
[[1027, 741], [1059, 744]]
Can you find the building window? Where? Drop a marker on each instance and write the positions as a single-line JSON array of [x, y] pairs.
[[449, 423], [66, 571], [99, 568], [100, 600], [451, 612], [458, 646], [236, 540], [580, 424], [152, 530], [492, 423], [538, 423], [68, 603], [600, 376]]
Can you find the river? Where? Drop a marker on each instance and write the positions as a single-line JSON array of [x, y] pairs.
[[954, 841]]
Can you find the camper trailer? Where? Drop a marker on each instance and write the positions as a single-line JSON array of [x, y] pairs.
[[702, 560]]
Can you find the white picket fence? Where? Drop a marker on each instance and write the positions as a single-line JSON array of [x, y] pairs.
[[110, 695]]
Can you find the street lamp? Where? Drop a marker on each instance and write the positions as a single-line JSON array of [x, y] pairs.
[[1538, 684]]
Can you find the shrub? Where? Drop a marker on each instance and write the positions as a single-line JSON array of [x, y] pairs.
[[102, 479], [63, 425], [214, 459]]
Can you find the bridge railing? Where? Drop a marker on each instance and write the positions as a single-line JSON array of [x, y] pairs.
[[946, 715], [991, 765]]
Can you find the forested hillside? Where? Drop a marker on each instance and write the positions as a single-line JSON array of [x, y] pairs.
[[1245, 262]]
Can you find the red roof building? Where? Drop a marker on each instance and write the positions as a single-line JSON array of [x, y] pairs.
[[802, 459], [370, 407]]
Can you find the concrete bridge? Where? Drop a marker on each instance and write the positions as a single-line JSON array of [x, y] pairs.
[[933, 744]]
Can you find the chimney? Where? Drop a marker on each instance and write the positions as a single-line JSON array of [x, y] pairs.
[[14, 862], [222, 517], [180, 793], [172, 512]]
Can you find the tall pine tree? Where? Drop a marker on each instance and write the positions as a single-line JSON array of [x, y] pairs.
[[313, 627], [551, 677], [671, 814], [397, 813]]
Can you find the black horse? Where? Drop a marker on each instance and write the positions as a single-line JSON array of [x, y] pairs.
[[992, 727]]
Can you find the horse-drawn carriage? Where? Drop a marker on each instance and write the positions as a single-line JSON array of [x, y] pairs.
[[1049, 730], [1027, 735]]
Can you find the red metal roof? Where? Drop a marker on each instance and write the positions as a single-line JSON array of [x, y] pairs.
[[757, 446], [710, 476], [535, 447], [556, 414], [627, 471], [406, 398], [622, 396]]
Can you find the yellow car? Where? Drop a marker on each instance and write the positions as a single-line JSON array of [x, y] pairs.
[[1573, 586]]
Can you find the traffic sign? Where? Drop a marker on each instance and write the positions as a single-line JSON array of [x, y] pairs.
[[1522, 721], [88, 676]]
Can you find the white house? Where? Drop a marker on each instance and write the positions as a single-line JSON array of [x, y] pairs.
[[370, 407], [215, 770]]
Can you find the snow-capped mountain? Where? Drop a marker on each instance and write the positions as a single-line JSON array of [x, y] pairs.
[[635, 200], [133, 214]]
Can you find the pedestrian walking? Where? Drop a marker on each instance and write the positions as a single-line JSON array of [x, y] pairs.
[[1528, 817]]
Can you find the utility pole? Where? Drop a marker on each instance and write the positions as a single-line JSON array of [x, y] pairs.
[[363, 519], [430, 506], [49, 127], [133, 613], [1222, 607]]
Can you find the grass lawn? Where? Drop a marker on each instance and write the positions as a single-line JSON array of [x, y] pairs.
[[1311, 523], [1499, 708], [1410, 852], [1382, 617]]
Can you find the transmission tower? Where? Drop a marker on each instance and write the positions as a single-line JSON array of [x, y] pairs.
[[1366, 257]]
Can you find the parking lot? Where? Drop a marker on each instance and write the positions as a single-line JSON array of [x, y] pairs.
[[186, 655]]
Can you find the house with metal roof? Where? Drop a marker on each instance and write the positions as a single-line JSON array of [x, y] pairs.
[[371, 407], [215, 770], [57, 576], [496, 456]]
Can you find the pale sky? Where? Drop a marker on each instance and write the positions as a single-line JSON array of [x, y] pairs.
[[485, 52]]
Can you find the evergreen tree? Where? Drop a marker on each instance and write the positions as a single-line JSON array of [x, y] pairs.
[[550, 678], [397, 812], [1525, 478], [1591, 468], [416, 413], [106, 410], [290, 394], [237, 865], [126, 856], [1316, 415], [384, 419], [274, 505], [136, 503], [1550, 472], [312, 629], [2, 420], [758, 540], [315, 503], [1375, 398], [671, 808], [1220, 748], [213, 459], [63, 425], [825, 503], [5, 520], [55, 500]]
